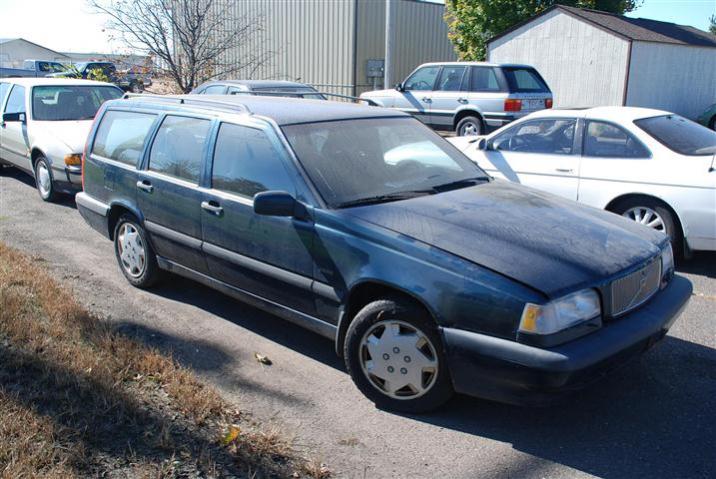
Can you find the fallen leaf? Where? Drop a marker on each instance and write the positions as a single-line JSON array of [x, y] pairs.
[[262, 359], [231, 436]]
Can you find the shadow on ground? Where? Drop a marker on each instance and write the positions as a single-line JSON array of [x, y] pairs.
[[65, 200], [703, 263]]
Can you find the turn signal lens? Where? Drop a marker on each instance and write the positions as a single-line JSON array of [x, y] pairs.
[[74, 159], [513, 105]]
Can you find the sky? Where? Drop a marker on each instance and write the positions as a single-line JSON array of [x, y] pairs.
[[70, 25]]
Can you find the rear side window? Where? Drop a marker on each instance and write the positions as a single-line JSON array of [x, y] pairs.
[[524, 80], [179, 146], [609, 141], [121, 136], [247, 163], [680, 135], [16, 102], [483, 79]]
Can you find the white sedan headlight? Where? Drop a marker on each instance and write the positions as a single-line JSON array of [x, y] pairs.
[[560, 314]]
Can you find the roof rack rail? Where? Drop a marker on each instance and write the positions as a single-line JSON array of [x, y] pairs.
[[186, 100], [304, 94]]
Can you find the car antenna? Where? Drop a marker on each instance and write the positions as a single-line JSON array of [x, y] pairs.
[[713, 159]]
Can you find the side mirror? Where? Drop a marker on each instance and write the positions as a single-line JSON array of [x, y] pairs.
[[482, 144], [275, 203], [8, 117], [399, 87]]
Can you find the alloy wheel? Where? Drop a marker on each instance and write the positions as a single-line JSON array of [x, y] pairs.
[[44, 181], [470, 129], [646, 216], [398, 359]]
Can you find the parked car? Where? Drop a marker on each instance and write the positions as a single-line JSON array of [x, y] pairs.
[[651, 166], [429, 276], [258, 87], [33, 68], [708, 117], [467, 97], [126, 81], [44, 127]]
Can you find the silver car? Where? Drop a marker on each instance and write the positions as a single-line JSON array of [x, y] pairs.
[[469, 98], [44, 128]]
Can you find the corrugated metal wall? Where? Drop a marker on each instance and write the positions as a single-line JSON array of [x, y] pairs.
[[674, 78], [310, 41], [583, 65], [420, 37], [315, 41]]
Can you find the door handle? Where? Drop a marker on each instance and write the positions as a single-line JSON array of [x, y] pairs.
[[212, 207], [565, 170], [462, 100], [427, 100], [145, 185]]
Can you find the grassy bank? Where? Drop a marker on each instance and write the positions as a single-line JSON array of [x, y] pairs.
[[79, 399]]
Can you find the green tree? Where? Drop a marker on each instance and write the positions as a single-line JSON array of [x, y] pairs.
[[472, 22], [712, 24]]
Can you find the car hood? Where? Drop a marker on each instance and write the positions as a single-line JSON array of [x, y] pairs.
[[550, 244], [71, 134], [378, 93]]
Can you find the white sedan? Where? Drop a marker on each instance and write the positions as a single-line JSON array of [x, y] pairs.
[[654, 167]]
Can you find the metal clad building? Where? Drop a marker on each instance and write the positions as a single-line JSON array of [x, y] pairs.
[[327, 43], [14, 51], [591, 58]]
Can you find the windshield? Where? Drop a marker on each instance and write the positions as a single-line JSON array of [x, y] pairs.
[[680, 135], [378, 159], [69, 102]]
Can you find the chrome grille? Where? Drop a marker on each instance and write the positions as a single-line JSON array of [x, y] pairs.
[[634, 289]]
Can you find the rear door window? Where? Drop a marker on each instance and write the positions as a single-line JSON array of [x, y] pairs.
[[423, 79], [451, 78], [483, 79], [178, 147], [121, 135], [246, 162], [610, 141], [524, 80]]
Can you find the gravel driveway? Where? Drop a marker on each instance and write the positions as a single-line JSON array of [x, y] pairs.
[[656, 418]]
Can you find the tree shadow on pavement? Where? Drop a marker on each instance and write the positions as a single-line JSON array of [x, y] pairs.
[[654, 418]]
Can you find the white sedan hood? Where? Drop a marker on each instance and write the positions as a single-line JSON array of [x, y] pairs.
[[68, 134]]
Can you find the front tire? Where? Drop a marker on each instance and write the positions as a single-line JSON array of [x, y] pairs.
[[469, 126], [134, 254], [395, 356], [712, 125], [43, 180]]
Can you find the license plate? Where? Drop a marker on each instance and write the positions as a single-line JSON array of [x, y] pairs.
[[533, 104]]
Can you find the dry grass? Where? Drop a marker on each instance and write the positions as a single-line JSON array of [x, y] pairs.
[[79, 399]]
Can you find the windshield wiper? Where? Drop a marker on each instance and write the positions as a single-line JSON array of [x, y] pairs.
[[456, 185], [372, 200]]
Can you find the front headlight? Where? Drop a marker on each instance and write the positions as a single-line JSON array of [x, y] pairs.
[[560, 314], [667, 264]]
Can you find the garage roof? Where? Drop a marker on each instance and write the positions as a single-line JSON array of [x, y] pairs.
[[636, 29]]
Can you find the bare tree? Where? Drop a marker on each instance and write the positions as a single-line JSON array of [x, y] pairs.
[[192, 39]]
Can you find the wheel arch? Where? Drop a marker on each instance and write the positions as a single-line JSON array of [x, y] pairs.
[[460, 114], [116, 210], [365, 292], [611, 206]]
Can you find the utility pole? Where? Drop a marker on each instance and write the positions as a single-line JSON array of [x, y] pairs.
[[388, 68]]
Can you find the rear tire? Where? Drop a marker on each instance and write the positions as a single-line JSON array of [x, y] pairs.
[[134, 254], [469, 126], [654, 213], [43, 180], [415, 379]]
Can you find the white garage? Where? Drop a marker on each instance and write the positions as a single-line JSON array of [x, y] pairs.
[[592, 58], [14, 51]]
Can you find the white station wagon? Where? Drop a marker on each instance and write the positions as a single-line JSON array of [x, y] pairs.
[[654, 167]]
